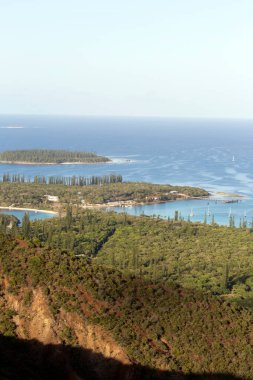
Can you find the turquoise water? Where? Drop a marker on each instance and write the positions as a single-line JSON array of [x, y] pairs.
[[216, 155], [198, 210], [32, 214]]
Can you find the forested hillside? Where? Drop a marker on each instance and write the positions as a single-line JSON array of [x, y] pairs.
[[209, 258], [165, 299], [157, 326]]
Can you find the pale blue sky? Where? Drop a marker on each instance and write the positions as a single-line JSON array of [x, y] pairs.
[[137, 57]]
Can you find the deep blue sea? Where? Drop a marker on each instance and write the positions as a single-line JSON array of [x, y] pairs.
[[214, 154]]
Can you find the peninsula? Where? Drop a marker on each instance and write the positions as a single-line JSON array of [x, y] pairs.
[[50, 157], [102, 192]]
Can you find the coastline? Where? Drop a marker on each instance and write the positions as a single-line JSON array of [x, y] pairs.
[[52, 163], [133, 203], [28, 209]]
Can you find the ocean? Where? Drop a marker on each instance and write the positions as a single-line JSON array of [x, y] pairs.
[[213, 154]]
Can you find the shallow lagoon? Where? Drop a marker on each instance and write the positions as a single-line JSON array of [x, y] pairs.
[[198, 210]]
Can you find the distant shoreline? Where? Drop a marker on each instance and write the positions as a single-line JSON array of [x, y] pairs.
[[53, 163], [108, 161], [10, 208]]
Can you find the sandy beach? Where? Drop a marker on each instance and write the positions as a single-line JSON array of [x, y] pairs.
[[27, 209]]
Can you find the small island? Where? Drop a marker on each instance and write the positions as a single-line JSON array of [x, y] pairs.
[[50, 157]]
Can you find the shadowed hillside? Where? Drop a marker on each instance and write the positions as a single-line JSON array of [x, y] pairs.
[[23, 360]]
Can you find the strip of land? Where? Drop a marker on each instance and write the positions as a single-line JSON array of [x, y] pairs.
[[10, 208], [49, 157], [52, 163], [57, 197], [132, 203]]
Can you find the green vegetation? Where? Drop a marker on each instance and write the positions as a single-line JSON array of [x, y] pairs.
[[40, 156], [170, 292], [8, 223], [159, 326], [7, 326], [33, 194], [210, 258], [213, 259]]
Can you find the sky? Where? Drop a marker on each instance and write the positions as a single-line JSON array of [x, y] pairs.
[[168, 58]]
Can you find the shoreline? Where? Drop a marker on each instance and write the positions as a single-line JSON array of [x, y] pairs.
[[10, 208], [52, 163], [109, 161], [133, 203]]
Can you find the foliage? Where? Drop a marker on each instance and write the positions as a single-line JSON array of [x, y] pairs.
[[8, 223], [50, 156], [34, 194], [26, 225], [7, 326], [213, 259], [159, 326]]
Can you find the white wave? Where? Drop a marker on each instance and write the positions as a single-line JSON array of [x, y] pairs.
[[121, 160], [12, 127]]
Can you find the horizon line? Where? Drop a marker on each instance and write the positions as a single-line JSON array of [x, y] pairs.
[[128, 116]]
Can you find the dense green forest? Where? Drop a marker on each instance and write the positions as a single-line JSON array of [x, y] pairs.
[[25, 194], [158, 325], [50, 156], [213, 259]]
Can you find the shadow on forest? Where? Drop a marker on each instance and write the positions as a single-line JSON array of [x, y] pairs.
[[238, 279], [31, 360]]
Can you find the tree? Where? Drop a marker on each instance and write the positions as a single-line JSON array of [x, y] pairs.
[[26, 225], [50, 236], [231, 221], [226, 276], [176, 216], [69, 217]]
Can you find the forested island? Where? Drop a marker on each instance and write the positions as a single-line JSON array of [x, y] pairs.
[[47, 156]]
